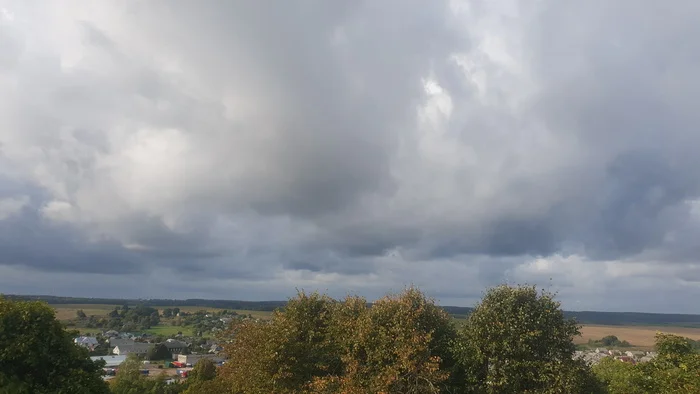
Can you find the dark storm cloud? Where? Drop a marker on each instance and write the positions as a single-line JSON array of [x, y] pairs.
[[353, 144], [27, 240]]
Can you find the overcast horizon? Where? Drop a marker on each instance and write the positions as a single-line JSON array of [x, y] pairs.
[[244, 149]]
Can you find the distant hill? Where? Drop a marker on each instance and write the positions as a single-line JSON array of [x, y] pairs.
[[583, 317]]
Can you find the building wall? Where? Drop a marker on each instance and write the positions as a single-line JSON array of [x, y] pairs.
[[194, 358]]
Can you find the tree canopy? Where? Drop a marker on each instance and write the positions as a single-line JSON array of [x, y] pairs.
[[675, 370], [517, 340], [37, 355], [159, 352], [521, 342]]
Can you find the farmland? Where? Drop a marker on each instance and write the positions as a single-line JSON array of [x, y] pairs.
[[68, 311], [638, 336], [168, 327]]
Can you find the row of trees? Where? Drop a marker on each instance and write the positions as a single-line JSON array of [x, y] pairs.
[[517, 340], [121, 318], [609, 341]]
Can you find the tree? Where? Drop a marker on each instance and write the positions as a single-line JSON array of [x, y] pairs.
[[285, 354], [159, 352], [402, 344], [38, 356], [80, 314], [204, 370], [522, 343], [318, 345], [676, 369], [621, 378], [129, 379]]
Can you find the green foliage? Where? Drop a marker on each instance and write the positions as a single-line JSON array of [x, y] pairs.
[[319, 345], [129, 380], [38, 356], [159, 352], [676, 369], [613, 341], [201, 379], [80, 314], [522, 343], [620, 377], [203, 370], [399, 345]]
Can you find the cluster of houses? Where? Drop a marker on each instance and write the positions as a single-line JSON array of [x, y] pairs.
[[631, 356], [123, 344]]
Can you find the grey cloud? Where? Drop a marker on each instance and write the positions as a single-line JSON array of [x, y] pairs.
[[299, 141], [27, 241]]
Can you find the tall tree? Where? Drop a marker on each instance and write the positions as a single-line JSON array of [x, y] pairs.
[[159, 352], [38, 356], [523, 343], [399, 345]]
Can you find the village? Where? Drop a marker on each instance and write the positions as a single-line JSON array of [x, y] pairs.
[[594, 356], [173, 355]]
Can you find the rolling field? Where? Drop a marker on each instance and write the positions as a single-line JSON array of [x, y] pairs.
[[67, 311], [638, 336]]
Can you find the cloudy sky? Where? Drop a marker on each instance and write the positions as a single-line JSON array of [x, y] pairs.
[[242, 149]]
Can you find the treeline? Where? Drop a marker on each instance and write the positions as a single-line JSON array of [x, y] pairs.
[[267, 306], [517, 340], [583, 317]]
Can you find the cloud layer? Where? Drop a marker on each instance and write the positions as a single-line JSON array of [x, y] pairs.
[[230, 149]]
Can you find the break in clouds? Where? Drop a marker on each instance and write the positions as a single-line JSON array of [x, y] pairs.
[[240, 150]]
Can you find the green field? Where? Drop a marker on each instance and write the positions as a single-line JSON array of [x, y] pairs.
[[67, 312], [168, 330]]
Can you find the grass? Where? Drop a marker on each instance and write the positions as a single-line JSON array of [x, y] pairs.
[[168, 330]]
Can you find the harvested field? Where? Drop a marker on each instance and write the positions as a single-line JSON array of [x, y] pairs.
[[638, 336], [68, 311]]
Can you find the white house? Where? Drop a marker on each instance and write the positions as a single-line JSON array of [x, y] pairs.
[[136, 348]]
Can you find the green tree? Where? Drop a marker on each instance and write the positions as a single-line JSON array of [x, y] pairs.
[[399, 345], [285, 354], [676, 370], [619, 377], [402, 344], [80, 314], [129, 379], [522, 343], [159, 352], [38, 356], [203, 370]]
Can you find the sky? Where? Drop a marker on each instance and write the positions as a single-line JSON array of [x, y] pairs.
[[246, 149]]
